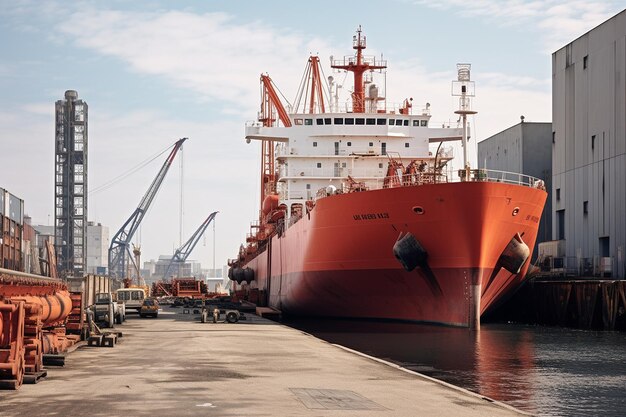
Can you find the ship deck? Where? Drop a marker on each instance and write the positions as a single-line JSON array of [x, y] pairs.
[[175, 365]]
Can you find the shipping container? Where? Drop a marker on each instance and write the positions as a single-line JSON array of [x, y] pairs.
[[11, 228]]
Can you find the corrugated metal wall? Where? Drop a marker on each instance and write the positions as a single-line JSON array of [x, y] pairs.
[[589, 158]]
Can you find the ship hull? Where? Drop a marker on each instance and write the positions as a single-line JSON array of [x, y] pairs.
[[338, 260]]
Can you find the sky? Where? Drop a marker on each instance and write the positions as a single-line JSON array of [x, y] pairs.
[[154, 71]]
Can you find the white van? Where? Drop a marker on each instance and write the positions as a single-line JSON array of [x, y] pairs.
[[131, 297]]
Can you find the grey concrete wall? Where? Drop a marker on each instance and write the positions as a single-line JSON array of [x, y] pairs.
[[589, 164]]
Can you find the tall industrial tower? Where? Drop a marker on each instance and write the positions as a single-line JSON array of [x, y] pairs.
[[70, 191]]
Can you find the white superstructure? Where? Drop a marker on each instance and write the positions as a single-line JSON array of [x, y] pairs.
[[319, 150]]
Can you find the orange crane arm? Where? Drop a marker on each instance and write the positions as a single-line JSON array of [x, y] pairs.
[[271, 100]]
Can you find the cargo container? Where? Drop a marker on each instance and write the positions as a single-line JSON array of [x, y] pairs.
[[11, 225]]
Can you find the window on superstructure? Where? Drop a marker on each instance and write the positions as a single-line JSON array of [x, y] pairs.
[[593, 141], [360, 121], [380, 165], [319, 121], [392, 122], [585, 207], [406, 145], [416, 122], [370, 121], [308, 122], [327, 120], [297, 122], [314, 144], [585, 59], [349, 143], [371, 143], [381, 122], [349, 120], [338, 120], [343, 164], [406, 122], [558, 194], [308, 186], [398, 122], [319, 164], [424, 123]]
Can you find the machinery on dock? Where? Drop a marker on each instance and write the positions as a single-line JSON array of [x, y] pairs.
[[181, 254], [34, 309], [132, 298], [108, 311], [33, 314], [119, 251], [213, 313], [183, 287]]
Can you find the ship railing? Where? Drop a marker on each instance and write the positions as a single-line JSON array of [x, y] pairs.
[[434, 177], [351, 60], [337, 172], [492, 175]]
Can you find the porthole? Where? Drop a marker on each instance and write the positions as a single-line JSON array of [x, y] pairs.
[[515, 211], [418, 210]]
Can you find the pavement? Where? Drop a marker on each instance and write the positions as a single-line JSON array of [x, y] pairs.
[[176, 366]]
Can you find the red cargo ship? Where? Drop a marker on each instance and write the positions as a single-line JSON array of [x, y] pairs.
[[362, 218]]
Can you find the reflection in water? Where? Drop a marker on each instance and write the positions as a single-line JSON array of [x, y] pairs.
[[548, 371]]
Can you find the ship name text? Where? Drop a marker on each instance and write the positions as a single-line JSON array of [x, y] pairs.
[[370, 216]]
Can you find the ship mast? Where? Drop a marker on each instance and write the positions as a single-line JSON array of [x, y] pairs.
[[358, 65], [464, 89]]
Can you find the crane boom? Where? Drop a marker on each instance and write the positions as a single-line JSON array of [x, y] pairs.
[[182, 253], [119, 251]]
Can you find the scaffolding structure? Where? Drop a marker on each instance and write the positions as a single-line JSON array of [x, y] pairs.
[[70, 195]]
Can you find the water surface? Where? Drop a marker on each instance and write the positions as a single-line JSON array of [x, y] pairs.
[[543, 370]]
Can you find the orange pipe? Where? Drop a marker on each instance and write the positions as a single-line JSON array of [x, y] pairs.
[[54, 308]]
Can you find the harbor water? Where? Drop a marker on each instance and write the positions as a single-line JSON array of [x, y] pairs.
[[542, 370]]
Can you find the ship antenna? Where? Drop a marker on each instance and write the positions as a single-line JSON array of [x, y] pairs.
[[464, 89], [358, 65]]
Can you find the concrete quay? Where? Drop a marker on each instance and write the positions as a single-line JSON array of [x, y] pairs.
[[176, 366]]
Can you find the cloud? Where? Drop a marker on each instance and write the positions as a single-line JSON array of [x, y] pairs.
[[559, 21], [207, 54], [46, 109]]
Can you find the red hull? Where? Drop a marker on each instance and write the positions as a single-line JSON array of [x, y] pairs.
[[338, 260]]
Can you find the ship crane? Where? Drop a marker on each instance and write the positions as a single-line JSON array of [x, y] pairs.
[[270, 105], [181, 254], [119, 251], [312, 92]]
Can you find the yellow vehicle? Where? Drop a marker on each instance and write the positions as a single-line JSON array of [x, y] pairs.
[[131, 297], [150, 307]]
